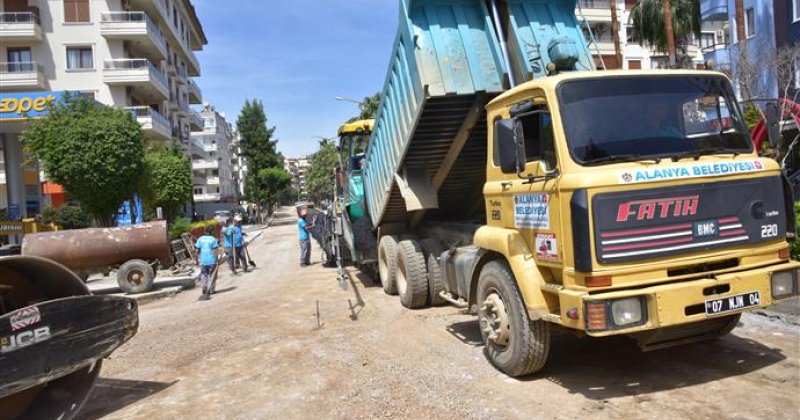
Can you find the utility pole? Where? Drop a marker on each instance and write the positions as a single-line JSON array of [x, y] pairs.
[[615, 32], [667, 11]]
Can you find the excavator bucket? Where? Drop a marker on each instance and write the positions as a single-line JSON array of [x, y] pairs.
[[53, 337]]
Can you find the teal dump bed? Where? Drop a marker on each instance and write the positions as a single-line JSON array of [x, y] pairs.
[[446, 65]]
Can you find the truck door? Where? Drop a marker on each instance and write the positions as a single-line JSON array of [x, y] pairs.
[[529, 201]]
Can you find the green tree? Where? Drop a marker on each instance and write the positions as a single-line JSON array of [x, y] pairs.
[[93, 150], [256, 138], [320, 176], [369, 106], [649, 22], [167, 181], [267, 185]]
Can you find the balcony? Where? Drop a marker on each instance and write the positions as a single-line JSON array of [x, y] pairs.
[[195, 95], [195, 121], [20, 26], [210, 147], [198, 180], [212, 180], [159, 11], [139, 29], [595, 10], [207, 197], [154, 124], [205, 164], [139, 73], [21, 75]]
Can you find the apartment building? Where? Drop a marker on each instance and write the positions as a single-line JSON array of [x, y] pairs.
[[238, 166], [298, 168], [212, 175], [764, 30], [595, 18], [135, 54]]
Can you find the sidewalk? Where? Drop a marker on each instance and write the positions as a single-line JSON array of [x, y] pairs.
[[166, 284]]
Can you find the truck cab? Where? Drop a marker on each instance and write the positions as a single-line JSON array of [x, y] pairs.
[[629, 203]]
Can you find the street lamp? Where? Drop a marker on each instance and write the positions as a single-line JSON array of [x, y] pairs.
[[344, 99]]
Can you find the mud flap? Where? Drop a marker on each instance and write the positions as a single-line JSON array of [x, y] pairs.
[[50, 340]]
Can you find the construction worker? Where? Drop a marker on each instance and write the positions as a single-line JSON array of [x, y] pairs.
[[207, 245], [305, 239], [228, 240], [238, 243]]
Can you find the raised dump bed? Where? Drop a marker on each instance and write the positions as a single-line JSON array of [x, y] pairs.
[[427, 153]]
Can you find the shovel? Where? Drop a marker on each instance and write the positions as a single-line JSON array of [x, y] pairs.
[[247, 254]]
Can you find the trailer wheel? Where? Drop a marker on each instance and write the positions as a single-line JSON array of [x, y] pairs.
[[387, 264], [513, 343], [432, 249], [412, 277], [135, 276]]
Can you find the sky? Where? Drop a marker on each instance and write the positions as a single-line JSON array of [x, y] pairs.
[[295, 56]]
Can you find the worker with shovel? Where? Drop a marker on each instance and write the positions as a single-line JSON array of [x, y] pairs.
[[238, 244], [207, 258]]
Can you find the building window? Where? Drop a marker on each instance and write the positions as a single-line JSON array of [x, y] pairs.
[[76, 11], [19, 60], [198, 191], [750, 22], [631, 35], [208, 122], [796, 4], [79, 58], [707, 39], [797, 74], [634, 64]]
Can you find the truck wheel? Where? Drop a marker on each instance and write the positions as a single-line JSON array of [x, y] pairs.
[[733, 321], [432, 249], [516, 345], [412, 277], [387, 264], [135, 276]]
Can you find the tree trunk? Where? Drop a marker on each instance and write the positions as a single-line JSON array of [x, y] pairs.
[[667, 11], [740, 35], [615, 32]]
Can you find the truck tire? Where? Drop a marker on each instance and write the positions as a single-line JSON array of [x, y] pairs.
[[412, 277], [733, 321], [513, 343], [135, 276], [432, 249], [387, 264]]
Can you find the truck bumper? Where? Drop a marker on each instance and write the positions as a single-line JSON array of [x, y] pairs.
[[677, 308]]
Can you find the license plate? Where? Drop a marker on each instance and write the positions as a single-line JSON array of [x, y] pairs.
[[732, 303]]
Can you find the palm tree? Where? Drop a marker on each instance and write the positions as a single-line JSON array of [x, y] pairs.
[[652, 23]]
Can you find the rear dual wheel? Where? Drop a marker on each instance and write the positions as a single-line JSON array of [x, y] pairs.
[[387, 264], [412, 275]]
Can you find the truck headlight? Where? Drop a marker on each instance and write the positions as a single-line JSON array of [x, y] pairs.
[[783, 283], [627, 312]]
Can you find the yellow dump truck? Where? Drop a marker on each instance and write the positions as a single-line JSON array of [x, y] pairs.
[[597, 202]]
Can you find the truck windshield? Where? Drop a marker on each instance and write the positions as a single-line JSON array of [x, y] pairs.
[[644, 118]]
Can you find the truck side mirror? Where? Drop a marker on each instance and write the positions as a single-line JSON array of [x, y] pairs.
[[773, 115], [510, 143]]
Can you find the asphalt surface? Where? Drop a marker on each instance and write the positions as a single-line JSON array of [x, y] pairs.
[[289, 342]]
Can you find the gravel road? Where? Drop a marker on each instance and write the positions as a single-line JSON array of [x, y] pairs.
[[256, 351]]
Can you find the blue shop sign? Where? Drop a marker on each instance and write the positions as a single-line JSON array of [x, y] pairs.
[[21, 105]]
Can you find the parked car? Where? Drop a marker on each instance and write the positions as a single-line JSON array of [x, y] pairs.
[[222, 216]]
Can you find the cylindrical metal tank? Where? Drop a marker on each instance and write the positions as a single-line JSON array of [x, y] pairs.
[[98, 248]]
